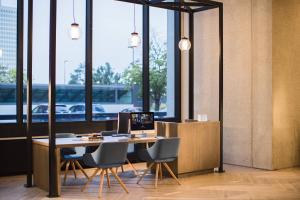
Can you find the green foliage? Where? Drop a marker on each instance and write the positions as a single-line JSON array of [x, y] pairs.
[[78, 76], [104, 75], [158, 72], [8, 75], [132, 76]]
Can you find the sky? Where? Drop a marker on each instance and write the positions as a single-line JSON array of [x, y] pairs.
[[113, 23]]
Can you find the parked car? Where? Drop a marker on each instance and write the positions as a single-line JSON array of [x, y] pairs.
[[80, 108], [59, 108], [132, 109]]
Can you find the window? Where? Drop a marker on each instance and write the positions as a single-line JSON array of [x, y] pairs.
[[8, 60], [40, 60], [161, 62], [117, 71], [117, 67], [70, 62]]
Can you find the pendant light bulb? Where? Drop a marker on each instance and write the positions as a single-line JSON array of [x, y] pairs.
[[75, 31], [134, 40], [1, 53], [184, 44]]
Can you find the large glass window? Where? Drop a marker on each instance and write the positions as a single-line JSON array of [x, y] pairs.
[[8, 60], [40, 60], [161, 62], [70, 62], [117, 67]]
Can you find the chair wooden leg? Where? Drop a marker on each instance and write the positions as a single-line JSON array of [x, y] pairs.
[[74, 169], [66, 172], [119, 180], [81, 169], [107, 177], [101, 183], [89, 179], [172, 174], [145, 172], [156, 174], [160, 171], [131, 165], [122, 168], [62, 163]]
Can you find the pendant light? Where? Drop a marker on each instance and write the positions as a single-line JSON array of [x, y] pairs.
[[184, 44], [134, 40], [75, 29], [1, 53]]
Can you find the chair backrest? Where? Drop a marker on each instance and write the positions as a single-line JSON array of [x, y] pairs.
[[66, 151], [164, 149], [123, 122], [110, 154]]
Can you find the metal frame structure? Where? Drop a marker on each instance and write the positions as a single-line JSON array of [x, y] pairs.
[[191, 7], [179, 6]]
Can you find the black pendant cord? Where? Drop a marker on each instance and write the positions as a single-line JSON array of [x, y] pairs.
[[134, 26], [74, 12]]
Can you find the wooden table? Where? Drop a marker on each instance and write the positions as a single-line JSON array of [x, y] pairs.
[[41, 155]]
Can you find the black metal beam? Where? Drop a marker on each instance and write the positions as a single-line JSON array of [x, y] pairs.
[[191, 67], [29, 95], [177, 53], [89, 61], [19, 85], [182, 6], [53, 190], [204, 8], [221, 85], [146, 46]]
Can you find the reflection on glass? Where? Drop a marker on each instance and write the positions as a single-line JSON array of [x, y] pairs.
[[117, 64], [161, 60], [8, 61]]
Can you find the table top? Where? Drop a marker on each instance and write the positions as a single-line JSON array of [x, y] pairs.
[[83, 141]]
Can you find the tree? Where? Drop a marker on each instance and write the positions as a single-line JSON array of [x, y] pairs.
[[104, 75], [133, 76], [158, 71], [7, 75], [78, 76]]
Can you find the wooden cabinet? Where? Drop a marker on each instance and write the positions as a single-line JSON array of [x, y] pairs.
[[199, 145]]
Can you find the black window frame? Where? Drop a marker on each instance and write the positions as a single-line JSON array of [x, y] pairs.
[[18, 128]]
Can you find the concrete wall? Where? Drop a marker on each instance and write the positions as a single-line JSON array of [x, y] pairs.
[[247, 78], [286, 83]]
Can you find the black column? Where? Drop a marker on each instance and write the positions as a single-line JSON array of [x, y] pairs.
[[53, 192], [177, 53], [146, 86], [89, 60], [191, 66], [221, 85], [29, 96], [19, 95]]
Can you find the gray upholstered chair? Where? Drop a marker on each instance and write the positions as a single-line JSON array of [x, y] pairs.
[[163, 151], [71, 156], [108, 155]]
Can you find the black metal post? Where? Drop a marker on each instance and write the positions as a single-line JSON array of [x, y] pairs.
[[221, 85], [20, 23], [29, 96], [53, 188], [177, 53], [146, 86], [89, 61], [191, 67]]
